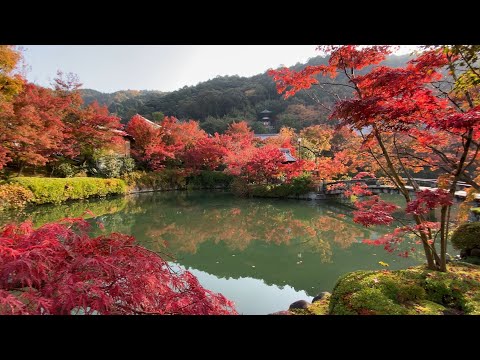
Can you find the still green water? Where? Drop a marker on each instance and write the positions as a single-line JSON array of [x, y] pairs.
[[263, 254]]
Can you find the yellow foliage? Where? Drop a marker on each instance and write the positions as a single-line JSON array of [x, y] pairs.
[[10, 83], [14, 196]]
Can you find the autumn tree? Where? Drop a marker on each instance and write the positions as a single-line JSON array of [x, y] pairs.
[[58, 269], [32, 131], [410, 118], [40, 125], [92, 128], [87, 128], [148, 145], [10, 81], [208, 154], [10, 85]]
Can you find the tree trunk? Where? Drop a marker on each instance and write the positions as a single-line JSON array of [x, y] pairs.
[[443, 239]]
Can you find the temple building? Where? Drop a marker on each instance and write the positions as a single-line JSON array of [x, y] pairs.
[[267, 119]]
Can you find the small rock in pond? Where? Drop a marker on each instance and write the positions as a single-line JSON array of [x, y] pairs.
[[300, 304], [320, 296], [253, 265]]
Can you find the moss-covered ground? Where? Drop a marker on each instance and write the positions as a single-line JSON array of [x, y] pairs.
[[413, 291]]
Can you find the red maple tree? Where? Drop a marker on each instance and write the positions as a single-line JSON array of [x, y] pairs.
[[207, 154], [410, 118], [58, 269], [32, 128]]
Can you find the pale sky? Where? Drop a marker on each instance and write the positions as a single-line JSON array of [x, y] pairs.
[[110, 68]]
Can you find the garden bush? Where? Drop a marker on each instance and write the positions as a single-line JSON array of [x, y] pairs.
[[467, 236], [167, 179], [298, 186], [113, 166], [66, 170], [239, 187], [209, 180], [56, 190], [14, 196]]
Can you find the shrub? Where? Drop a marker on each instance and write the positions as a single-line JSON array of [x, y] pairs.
[[167, 179], [66, 170], [59, 269], [467, 236], [209, 180], [113, 166], [298, 186], [128, 165], [55, 190], [239, 187], [14, 196]]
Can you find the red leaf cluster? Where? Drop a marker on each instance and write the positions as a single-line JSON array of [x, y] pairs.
[[374, 211], [427, 200], [60, 269]]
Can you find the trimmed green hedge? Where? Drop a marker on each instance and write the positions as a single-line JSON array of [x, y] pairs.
[[172, 179], [209, 180], [297, 187], [167, 179], [56, 190]]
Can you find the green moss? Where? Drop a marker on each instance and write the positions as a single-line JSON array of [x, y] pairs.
[[475, 210], [425, 307], [467, 236], [56, 190], [320, 307], [411, 291], [317, 308]]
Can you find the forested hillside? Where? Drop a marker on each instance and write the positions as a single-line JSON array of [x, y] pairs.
[[224, 99]]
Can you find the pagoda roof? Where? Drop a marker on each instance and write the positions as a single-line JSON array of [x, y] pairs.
[[288, 156], [266, 112]]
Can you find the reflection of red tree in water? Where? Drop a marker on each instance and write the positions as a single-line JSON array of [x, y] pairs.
[[237, 228]]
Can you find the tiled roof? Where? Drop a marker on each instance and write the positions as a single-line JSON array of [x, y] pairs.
[[288, 155], [150, 122]]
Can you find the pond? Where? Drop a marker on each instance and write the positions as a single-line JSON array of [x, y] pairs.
[[263, 254]]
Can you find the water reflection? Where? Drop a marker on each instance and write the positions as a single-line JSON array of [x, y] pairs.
[[251, 250]]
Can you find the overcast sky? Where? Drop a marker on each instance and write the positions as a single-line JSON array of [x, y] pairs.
[[109, 68]]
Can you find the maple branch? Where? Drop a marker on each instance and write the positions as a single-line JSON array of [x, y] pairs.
[[337, 84], [466, 61], [350, 80], [378, 162], [412, 181], [401, 185], [314, 98], [447, 95]]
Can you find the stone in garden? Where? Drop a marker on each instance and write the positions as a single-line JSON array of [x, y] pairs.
[[300, 304]]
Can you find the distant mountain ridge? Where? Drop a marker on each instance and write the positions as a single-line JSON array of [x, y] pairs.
[[224, 99]]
